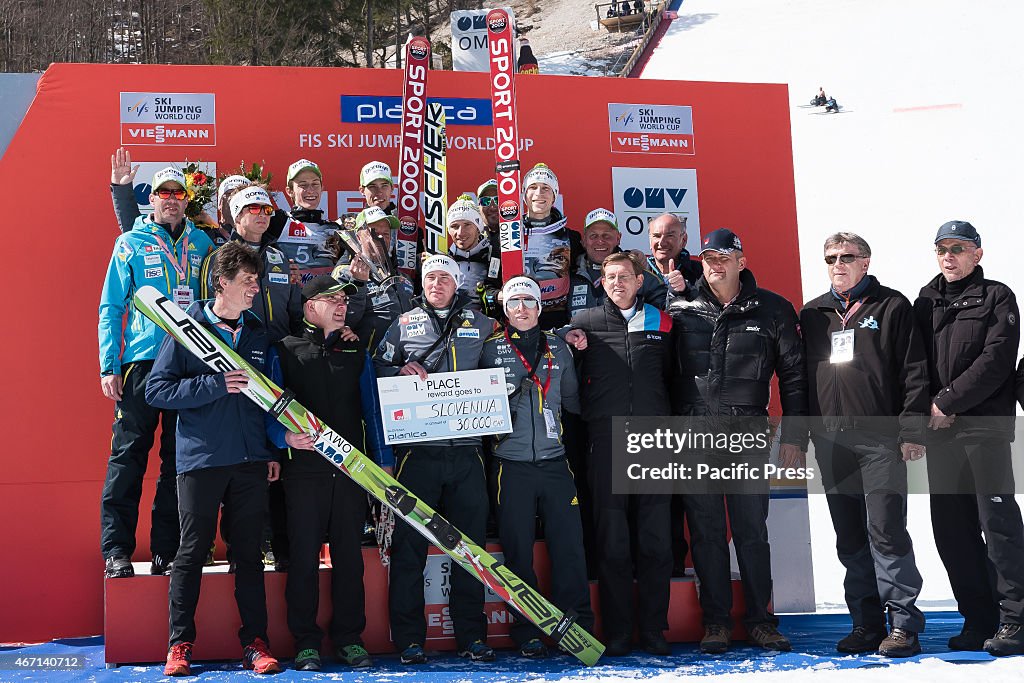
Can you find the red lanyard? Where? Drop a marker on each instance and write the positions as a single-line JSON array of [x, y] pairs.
[[542, 388], [182, 268], [845, 317]]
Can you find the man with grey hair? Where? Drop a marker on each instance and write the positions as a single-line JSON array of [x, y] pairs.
[[868, 388], [669, 257], [970, 325]]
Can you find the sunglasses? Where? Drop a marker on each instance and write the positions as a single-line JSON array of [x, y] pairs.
[[519, 303], [956, 250], [488, 201], [167, 194], [842, 258], [257, 209]]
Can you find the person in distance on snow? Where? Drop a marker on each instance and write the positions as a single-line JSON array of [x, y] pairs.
[[223, 457], [441, 334], [532, 477], [868, 377], [163, 250], [330, 375], [730, 337], [971, 329]]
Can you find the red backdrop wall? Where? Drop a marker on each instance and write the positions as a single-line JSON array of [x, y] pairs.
[[59, 230]]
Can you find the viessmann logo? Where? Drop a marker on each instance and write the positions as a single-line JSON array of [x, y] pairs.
[[458, 111], [149, 118]]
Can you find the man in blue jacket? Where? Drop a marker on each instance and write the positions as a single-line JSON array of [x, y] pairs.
[[163, 250], [223, 456], [330, 376]]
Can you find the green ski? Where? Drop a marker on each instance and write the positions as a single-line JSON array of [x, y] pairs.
[[381, 485]]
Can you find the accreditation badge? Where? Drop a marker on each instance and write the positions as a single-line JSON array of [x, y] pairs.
[[842, 346]]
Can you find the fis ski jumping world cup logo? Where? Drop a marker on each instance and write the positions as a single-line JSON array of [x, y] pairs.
[[418, 49], [497, 22], [650, 128], [509, 209], [156, 118]]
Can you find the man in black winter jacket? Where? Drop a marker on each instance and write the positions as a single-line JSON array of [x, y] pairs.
[[623, 372], [333, 377], [730, 338], [868, 377], [971, 330]]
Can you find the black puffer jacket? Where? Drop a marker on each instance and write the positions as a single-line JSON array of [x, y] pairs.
[[726, 356], [624, 370], [972, 351], [888, 375]]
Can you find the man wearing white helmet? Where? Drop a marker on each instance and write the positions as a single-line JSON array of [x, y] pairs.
[[529, 466], [163, 250], [552, 247], [470, 248], [601, 238], [303, 239], [442, 334], [279, 302]]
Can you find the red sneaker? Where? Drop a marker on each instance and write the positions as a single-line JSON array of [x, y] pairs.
[[179, 660], [256, 656]]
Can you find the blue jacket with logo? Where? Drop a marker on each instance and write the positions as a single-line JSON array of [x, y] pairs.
[[215, 428], [138, 260]]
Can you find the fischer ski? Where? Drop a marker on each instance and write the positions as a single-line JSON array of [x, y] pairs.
[[506, 142], [221, 357], [410, 158], [435, 180]]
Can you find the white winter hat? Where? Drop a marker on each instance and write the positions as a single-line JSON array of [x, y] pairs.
[[518, 286], [168, 175], [464, 209], [443, 263], [375, 170], [250, 195], [599, 216], [230, 183], [541, 173]]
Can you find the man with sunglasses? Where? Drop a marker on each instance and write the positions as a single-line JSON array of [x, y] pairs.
[[278, 305], [331, 376], [868, 377], [163, 250], [971, 329], [442, 334], [529, 469], [730, 338]]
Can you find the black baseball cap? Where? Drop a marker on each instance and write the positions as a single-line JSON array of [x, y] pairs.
[[723, 240], [958, 230], [325, 284]]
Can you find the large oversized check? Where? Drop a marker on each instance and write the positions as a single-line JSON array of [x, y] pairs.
[[445, 406]]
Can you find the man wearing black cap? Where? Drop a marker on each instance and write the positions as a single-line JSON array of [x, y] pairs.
[[330, 376], [866, 362], [730, 337], [971, 332]]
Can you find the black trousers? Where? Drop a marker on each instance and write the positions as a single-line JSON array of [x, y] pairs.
[[243, 491], [546, 488], [985, 572], [865, 482], [613, 515], [135, 423], [336, 506], [452, 477]]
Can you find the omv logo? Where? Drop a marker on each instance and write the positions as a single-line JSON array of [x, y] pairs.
[[654, 197], [458, 111]]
